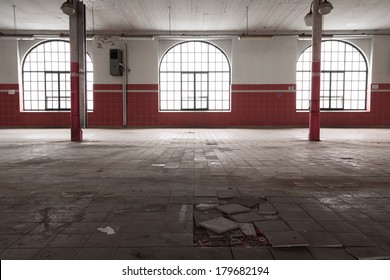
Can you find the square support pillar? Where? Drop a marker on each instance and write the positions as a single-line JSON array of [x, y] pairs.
[[77, 70]]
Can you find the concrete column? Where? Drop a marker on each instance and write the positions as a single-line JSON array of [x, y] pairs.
[[77, 70], [314, 116]]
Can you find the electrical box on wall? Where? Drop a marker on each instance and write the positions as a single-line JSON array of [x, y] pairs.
[[116, 63]]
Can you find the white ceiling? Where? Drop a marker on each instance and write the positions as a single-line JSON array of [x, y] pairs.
[[195, 16]]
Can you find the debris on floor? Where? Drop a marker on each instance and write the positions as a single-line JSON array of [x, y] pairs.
[[286, 239], [226, 194], [219, 225], [232, 208], [205, 206], [242, 221], [267, 209], [214, 235], [248, 229], [107, 230], [247, 217], [229, 223], [248, 201]]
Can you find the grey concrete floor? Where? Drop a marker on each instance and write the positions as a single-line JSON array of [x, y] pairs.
[[56, 197]]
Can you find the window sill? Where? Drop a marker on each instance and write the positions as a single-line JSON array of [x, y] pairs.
[[335, 111]]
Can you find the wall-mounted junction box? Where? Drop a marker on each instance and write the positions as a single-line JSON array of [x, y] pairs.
[[116, 63]]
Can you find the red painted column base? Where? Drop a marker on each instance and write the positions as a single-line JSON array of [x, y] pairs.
[[76, 135]]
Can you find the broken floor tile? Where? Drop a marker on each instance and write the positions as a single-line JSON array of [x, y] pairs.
[[224, 201], [205, 217], [248, 229], [321, 239], [247, 217], [219, 225], [232, 208], [368, 253], [270, 226], [226, 194], [267, 209], [247, 201], [214, 235], [235, 234], [286, 239]]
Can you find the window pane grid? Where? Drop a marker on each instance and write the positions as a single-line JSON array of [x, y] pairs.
[[46, 77], [194, 76], [344, 78]]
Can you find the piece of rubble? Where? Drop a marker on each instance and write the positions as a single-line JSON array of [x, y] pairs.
[[224, 201], [202, 217], [247, 217], [232, 208], [248, 229], [286, 239], [219, 225], [235, 234], [247, 201], [226, 194], [106, 230], [269, 226], [267, 209], [205, 206]]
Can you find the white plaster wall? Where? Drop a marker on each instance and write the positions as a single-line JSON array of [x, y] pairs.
[[142, 61], [100, 52], [264, 61], [381, 59], [9, 62]]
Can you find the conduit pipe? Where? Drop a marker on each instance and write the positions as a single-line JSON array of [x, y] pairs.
[[124, 85]]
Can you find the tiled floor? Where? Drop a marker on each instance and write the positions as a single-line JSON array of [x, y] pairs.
[[57, 197]]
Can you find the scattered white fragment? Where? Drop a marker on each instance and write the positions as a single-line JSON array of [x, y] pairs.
[[107, 230], [205, 206]]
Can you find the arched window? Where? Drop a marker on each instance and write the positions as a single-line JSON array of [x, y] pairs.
[[343, 77], [194, 76], [46, 77]]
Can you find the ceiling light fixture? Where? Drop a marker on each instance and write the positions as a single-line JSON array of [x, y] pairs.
[[67, 8], [324, 9], [309, 17]]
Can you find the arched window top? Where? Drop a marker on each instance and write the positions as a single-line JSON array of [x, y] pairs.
[[194, 75], [197, 48], [336, 55], [344, 71], [46, 77]]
